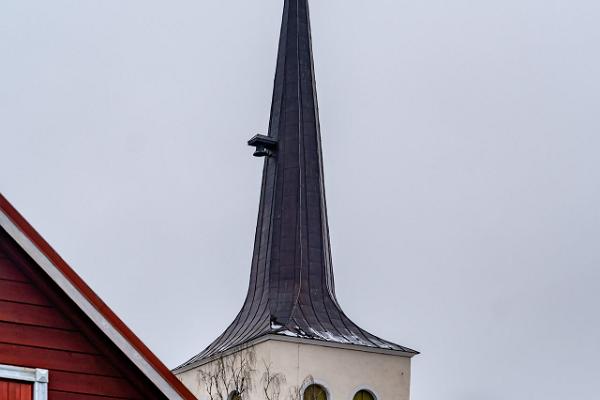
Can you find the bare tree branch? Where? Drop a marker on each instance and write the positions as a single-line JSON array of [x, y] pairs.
[[229, 376], [272, 382]]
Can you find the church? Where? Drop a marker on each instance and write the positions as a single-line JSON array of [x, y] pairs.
[[291, 340]]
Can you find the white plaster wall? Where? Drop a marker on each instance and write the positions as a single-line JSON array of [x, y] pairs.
[[341, 371]]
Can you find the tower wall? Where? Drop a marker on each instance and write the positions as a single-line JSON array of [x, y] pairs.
[[342, 372]]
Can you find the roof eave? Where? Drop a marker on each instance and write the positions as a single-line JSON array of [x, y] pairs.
[[289, 339], [345, 346]]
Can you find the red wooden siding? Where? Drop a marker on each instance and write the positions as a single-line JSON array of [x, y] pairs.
[[10, 390], [42, 328]]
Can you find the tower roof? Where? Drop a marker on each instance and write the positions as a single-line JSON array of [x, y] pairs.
[[291, 290]]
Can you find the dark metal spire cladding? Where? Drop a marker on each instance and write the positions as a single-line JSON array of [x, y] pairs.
[[291, 289]]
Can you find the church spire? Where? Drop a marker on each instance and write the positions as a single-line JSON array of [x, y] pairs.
[[291, 290]]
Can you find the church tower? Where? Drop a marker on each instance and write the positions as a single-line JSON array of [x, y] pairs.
[[291, 340]]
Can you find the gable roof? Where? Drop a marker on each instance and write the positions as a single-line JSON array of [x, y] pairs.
[[90, 304]]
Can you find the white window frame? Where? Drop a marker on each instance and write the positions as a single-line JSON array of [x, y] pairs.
[[39, 378]]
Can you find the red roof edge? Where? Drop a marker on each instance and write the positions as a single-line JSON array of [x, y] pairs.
[[92, 297]]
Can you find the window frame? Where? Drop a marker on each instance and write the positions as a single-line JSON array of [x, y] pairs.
[[37, 376], [316, 383], [366, 389]]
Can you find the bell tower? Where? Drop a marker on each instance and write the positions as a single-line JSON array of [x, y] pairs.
[[291, 326]]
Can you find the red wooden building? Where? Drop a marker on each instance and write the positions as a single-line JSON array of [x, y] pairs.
[[58, 340]]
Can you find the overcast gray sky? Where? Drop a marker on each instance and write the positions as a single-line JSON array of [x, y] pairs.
[[461, 142]]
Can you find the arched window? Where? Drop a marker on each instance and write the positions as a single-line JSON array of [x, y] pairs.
[[315, 392], [364, 395]]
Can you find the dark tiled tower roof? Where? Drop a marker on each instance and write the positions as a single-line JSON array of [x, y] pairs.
[[291, 289]]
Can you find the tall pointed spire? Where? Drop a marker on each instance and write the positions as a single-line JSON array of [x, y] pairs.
[[291, 289]]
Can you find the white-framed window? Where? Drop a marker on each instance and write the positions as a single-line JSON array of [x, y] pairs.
[[37, 377], [315, 391], [364, 394]]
